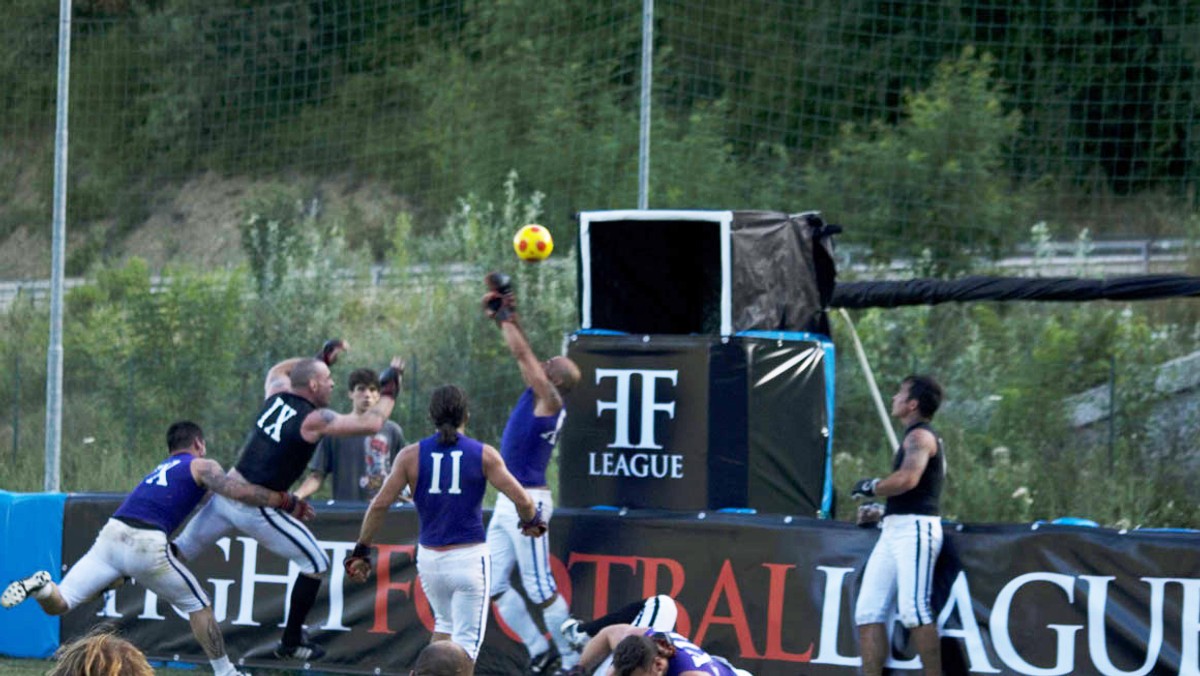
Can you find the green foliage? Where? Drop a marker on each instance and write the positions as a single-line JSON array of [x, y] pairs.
[[279, 235], [141, 352], [1011, 374], [939, 171], [458, 100], [938, 147]]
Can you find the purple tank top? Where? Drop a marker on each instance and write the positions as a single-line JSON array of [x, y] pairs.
[[449, 495], [690, 657], [166, 496], [529, 440]]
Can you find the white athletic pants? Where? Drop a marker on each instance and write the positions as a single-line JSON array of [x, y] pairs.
[[899, 573]]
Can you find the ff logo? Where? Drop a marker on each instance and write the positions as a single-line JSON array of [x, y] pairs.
[[620, 407]]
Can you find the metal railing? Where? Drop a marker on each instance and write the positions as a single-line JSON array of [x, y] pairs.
[[1103, 258]]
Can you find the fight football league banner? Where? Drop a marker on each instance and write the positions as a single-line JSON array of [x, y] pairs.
[[639, 424], [775, 595], [700, 422]]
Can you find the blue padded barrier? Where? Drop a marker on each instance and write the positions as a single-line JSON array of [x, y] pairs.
[[31, 532]]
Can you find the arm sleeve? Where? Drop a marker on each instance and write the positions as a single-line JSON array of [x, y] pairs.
[[322, 460], [395, 440]]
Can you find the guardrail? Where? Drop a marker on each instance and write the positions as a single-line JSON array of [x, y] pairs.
[[1053, 259], [1056, 259]]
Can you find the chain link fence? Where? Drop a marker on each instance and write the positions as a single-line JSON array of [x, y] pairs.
[[938, 133]]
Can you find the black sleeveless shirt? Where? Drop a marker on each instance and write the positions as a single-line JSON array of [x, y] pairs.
[[275, 454], [922, 498]]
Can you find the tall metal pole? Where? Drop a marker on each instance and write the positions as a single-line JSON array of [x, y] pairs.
[[644, 121], [54, 355]]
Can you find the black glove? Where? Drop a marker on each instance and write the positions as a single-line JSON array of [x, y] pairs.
[[498, 282], [499, 303], [864, 488], [389, 382], [353, 563], [330, 350]]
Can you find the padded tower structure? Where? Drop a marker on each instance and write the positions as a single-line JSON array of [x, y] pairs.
[[707, 371]]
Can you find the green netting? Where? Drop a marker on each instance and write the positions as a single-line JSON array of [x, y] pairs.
[[948, 125], [939, 133]]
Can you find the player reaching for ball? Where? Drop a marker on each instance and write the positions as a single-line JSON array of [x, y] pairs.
[[527, 444]]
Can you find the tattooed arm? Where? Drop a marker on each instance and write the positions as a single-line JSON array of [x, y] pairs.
[[327, 423], [209, 474]]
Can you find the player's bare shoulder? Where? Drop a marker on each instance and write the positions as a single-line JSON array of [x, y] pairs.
[[408, 461], [921, 439], [207, 472]]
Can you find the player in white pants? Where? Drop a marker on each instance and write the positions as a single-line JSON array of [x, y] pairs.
[[448, 474], [291, 422], [134, 542], [530, 556], [899, 574], [900, 570], [280, 533], [456, 582], [527, 445]]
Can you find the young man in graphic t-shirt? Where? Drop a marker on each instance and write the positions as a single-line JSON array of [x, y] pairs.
[[359, 464]]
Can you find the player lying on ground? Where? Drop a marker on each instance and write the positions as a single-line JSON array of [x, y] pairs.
[[657, 612], [134, 542], [641, 651]]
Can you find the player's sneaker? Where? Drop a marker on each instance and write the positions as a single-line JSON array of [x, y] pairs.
[[574, 635], [305, 651], [21, 589], [545, 663]]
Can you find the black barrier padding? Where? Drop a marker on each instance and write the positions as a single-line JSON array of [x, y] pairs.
[[602, 452], [788, 425], [656, 277], [774, 596], [778, 284], [727, 410], [745, 418]]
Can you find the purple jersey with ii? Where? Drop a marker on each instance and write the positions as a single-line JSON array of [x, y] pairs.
[[690, 657], [449, 495], [529, 440], [166, 496]]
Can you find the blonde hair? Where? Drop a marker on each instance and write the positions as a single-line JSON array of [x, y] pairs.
[[100, 653]]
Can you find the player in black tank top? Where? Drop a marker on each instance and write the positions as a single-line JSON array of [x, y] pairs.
[[275, 452], [925, 497], [284, 433], [911, 540]]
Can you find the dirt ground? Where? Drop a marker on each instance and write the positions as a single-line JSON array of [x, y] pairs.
[[197, 224]]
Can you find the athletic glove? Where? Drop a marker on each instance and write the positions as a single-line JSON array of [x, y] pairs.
[[358, 564], [389, 381], [869, 515], [499, 303], [331, 350], [296, 506], [535, 527], [864, 488], [498, 282]]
